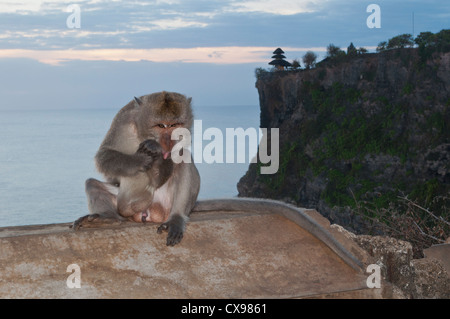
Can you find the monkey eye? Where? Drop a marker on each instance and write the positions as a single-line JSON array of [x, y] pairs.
[[161, 125]]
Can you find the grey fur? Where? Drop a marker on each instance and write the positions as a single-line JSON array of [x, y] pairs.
[[131, 160]]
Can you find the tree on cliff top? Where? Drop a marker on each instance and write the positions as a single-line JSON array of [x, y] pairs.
[[440, 41], [401, 41], [334, 51], [351, 50], [309, 59], [361, 50], [425, 39], [295, 64], [381, 46]]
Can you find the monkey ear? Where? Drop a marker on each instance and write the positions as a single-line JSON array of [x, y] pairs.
[[138, 100]]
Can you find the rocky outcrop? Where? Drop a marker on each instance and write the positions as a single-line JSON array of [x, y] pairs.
[[425, 278], [363, 129]]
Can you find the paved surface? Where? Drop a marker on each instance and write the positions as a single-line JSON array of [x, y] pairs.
[[222, 255]]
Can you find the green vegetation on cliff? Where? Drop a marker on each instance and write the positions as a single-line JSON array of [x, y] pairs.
[[364, 136]]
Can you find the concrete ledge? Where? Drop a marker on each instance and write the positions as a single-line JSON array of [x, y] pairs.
[[223, 255]]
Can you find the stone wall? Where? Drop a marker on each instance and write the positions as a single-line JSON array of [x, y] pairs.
[[223, 255]]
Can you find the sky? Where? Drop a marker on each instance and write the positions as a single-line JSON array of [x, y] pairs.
[[206, 49]]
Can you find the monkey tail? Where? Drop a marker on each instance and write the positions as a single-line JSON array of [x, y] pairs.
[[295, 214]]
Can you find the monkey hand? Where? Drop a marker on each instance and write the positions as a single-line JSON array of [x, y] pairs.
[[175, 228], [152, 151], [150, 148]]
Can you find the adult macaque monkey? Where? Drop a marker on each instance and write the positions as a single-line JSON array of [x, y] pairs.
[[143, 183]]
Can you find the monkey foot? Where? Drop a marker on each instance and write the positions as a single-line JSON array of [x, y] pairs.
[[175, 231], [94, 220]]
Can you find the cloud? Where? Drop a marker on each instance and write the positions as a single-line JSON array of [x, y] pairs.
[[277, 7], [282, 7], [20, 7], [107, 24], [215, 55], [46, 7], [27, 7], [169, 24]]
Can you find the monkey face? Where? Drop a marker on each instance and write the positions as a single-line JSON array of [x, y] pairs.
[[164, 131], [159, 114]]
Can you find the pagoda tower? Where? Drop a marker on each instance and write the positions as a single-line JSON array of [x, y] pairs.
[[279, 61]]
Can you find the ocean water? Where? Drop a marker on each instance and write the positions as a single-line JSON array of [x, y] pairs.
[[46, 156]]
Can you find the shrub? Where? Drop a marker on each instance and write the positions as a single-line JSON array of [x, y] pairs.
[[309, 59]]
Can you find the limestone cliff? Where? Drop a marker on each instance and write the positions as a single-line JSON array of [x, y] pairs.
[[362, 129]]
